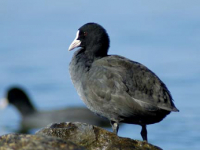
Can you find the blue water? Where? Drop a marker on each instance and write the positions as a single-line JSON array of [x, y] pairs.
[[163, 35]]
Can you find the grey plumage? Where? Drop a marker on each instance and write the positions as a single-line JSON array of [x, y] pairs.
[[116, 87]]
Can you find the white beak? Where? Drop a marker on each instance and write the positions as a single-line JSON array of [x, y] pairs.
[[3, 103], [75, 43]]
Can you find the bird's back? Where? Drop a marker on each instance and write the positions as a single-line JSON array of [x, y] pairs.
[[141, 83]]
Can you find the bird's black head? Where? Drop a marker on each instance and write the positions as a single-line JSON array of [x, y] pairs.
[[17, 97], [93, 38]]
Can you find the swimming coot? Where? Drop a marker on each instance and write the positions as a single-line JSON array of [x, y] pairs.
[[33, 118], [115, 87]]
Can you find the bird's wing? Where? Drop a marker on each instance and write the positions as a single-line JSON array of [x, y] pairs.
[[117, 79]]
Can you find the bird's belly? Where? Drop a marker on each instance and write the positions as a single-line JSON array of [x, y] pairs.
[[123, 114], [98, 107], [146, 118]]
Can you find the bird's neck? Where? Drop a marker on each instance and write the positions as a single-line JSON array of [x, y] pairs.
[[85, 58], [25, 107]]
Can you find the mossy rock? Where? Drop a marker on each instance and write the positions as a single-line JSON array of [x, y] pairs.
[[93, 137], [35, 142]]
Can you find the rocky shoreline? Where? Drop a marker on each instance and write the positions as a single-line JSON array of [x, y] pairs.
[[71, 136]]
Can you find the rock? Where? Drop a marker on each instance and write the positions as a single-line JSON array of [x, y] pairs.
[[93, 137], [71, 136], [35, 142]]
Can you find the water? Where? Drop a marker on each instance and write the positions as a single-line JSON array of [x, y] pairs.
[[164, 36]]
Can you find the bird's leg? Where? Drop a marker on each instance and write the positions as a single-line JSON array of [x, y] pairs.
[[115, 126], [144, 133]]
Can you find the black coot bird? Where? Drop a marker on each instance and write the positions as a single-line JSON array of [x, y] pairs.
[[33, 118], [115, 87]]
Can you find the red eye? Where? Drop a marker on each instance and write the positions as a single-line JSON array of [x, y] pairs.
[[85, 33]]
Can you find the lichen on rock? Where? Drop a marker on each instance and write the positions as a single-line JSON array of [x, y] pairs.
[[35, 142], [72, 136], [93, 137]]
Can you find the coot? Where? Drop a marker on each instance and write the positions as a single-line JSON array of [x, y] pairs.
[[115, 87], [33, 118]]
